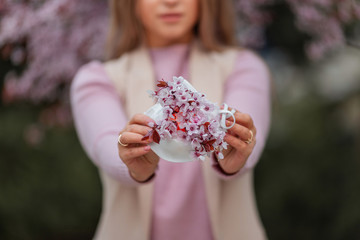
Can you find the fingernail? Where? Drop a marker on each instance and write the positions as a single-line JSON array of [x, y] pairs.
[[147, 148], [151, 124]]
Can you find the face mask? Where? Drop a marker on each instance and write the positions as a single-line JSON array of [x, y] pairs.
[[188, 126]]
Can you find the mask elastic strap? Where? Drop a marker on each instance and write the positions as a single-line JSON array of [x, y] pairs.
[[225, 113]]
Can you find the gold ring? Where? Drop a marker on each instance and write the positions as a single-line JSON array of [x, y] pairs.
[[122, 144], [251, 138]]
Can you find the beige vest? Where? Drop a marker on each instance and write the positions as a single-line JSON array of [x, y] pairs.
[[126, 212]]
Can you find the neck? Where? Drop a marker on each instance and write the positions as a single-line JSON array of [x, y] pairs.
[[154, 42]]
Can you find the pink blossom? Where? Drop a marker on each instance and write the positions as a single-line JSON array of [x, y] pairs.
[[167, 111], [167, 129], [64, 34], [191, 128], [208, 107], [220, 155], [59, 34], [197, 125], [213, 126]]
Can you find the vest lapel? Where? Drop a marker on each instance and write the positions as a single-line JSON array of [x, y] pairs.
[[141, 78]]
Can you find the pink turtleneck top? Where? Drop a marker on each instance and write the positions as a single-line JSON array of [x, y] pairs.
[[179, 204]]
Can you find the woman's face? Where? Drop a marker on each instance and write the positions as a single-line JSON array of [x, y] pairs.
[[168, 22]]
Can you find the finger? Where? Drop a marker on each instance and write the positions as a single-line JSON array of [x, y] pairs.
[[242, 132], [130, 138], [243, 119], [235, 142], [141, 119], [152, 157], [229, 108], [136, 128], [133, 152]]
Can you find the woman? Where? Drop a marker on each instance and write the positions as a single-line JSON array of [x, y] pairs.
[[145, 197]]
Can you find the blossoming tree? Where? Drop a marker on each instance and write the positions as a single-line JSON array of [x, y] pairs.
[[50, 39]]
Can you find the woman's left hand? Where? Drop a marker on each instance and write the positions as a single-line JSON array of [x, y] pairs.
[[241, 139]]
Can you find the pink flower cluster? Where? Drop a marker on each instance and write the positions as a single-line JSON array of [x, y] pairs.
[[48, 40], [326, 22], [188, 116]]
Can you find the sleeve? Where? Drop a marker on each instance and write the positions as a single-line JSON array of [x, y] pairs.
[[99, 117], [248, 89]]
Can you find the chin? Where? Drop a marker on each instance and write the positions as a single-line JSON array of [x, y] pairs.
[[174, 36]]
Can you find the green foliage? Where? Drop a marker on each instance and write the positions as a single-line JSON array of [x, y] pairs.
[[308, 181], [51, 191]]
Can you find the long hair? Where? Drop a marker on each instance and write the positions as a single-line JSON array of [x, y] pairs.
[[215, 28]]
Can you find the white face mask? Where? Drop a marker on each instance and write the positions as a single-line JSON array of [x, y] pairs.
[[190, 127]]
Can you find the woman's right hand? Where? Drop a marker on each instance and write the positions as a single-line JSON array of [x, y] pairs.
[[137, 155]]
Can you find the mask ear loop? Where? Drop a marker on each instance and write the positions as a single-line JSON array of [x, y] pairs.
[[225, 113]]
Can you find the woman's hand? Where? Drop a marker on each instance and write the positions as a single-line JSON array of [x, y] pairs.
[[241, 140], [134, 151]]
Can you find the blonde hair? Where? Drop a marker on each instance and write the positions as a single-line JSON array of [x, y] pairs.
[[215, 28]]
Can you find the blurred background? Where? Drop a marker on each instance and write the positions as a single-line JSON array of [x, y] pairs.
[[308, 179]]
